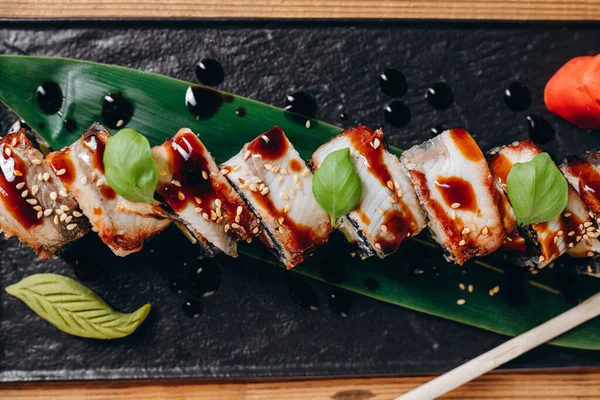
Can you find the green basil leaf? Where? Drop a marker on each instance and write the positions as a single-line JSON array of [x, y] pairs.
[[537, 190], [129, 167], [75, 309], [336, 186]]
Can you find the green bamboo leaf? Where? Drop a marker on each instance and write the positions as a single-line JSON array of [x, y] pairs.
[[160, 110], [75, 309]]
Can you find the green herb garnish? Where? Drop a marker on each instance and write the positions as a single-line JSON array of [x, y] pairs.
[[537, 190], [336, 185], [129, 167], [75, 309]]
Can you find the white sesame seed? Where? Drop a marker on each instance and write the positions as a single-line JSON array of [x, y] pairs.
[[162, 172], [61, 171], [205, 216], [236, 168], [276, 169], [59, 211], [471, 288], [384, 229], [572, 233], [567, 214], [296, 179], [20, 185], [46, 176], [100, 182], [245, 173], [462, 243], [306, 173], [40, 177], [391, 199], [213, 215], [63, 193], [256, 179], [462, 286], [390, 185], [63, 217], [453, 215], [455, 205], [224, 171], [284, 196], [376, 143], [77, 214], [13, 142], [33, 202], [399, 193], [264, 191], [286, 208], [237, 219], [542, 258], [255, 230], [94, 176], [64, 207], [47, 212], [465, 231], [40, 214], [204, 175], [239, 210], [292, 191], [590, 254], [268, 167], [299, 185], [120, 123], [247, 154], [226, 228], [84, 180], [559, 233], [571, 245], [280, 180], [485, 230], [377, 246], [36, 161], [56, 220], [253, 187], [380, 210], [7, 151], [588, 223], [37, 208], [219, 212], [16, 172], [70, 227], [461, 302], [284, 171], [307, 124], [176, 183], [218, 203], [555, 239]]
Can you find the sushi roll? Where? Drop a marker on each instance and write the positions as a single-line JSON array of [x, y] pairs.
[[121, 224], [277, 185], [389, 210], [455, 187], [36, 208], [193, 186], [552, 238]]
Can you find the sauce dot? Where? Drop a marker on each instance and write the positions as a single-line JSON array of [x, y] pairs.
[[341, 302], [117, 110], [302, 293], [240, 112], [192, 308], [540, 130], [517, 97], [204, 280], [392, 82], [70, 125], [210, 72], [302, 104], [439, 96], [397, 114], [203, 103], [49, 97]]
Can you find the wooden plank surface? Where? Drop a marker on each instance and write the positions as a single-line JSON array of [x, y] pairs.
[[447, 9], [580, 385], [493, 386]]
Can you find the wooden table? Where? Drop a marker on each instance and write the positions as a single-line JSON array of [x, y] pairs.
[[564, 385]]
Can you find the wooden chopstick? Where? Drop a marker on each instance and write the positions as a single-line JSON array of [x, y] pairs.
[[507, 351]]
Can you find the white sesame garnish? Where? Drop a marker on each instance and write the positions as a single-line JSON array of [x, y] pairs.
[[555, 240], [280, 180], [588, 223], [20, 185], [306, 173], [36, 161], [292, 191], [375, 144], [218, 203], [485, 231], [256, 230], [571, 245], [236, 168], [204, 175], [120, 123], [56, 220], [465, 231], [47, 212], [377, 246], [77, 214], [256, 179], [567, 214], [63, 193], [59, 211], [245, 173], [268, 167], [16, 172], [384, 229], [572, 233], [226, 228], [224, 171], [239, 210], [235, 226], [590, 254], [264, 191], [391, 199], [70, 227], [247, 154], [37, 208], [176, 183], [61, 171], [462, 243], [559, 233], [7, 151], [307, 124], [40, 177], [53, 195], [461, 302], [296, 179], [94, 176], [284, 196], [237, 219], [162, 172], [64, 207], [181, 196], [453, 215], [63, 217], [40, 214], [284, 171], [462, 286], [390, 185], [213, 215], [276, 169], [13, 142], [100, 182], [399, 192], [253, 187], [542, 258], [46, 176], [299, 185], [286, 208], [380, 210], [205, 216], [455, 205], [471, 288], [84, 180]]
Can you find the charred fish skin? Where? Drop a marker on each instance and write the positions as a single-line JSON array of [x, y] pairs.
[[193, 186], [553, 238], [277, 185], [36, 207], [389, 211], [455, 187], [121, 224]]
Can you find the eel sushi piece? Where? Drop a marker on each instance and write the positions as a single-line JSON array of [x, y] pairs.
[[192, 185], [552, 238], [277, 185], [584, 175], [121, 224], [456, 189], [36, 208], [389, 210]]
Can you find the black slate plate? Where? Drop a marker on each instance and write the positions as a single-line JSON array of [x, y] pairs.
[[250, 327]]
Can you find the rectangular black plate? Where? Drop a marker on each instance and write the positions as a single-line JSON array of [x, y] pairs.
[[250, 327]]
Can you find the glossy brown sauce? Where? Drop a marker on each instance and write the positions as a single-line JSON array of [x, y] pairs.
[[500, 166], [96, 145], [187, 162], [548, 248], [108, 192], [363, 217], [516, 244], [457, 190], [11, 197], [362, 138], [97, 211], [295, 165], [465, 143], [589, 182], [271, 145], [62, 160]]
